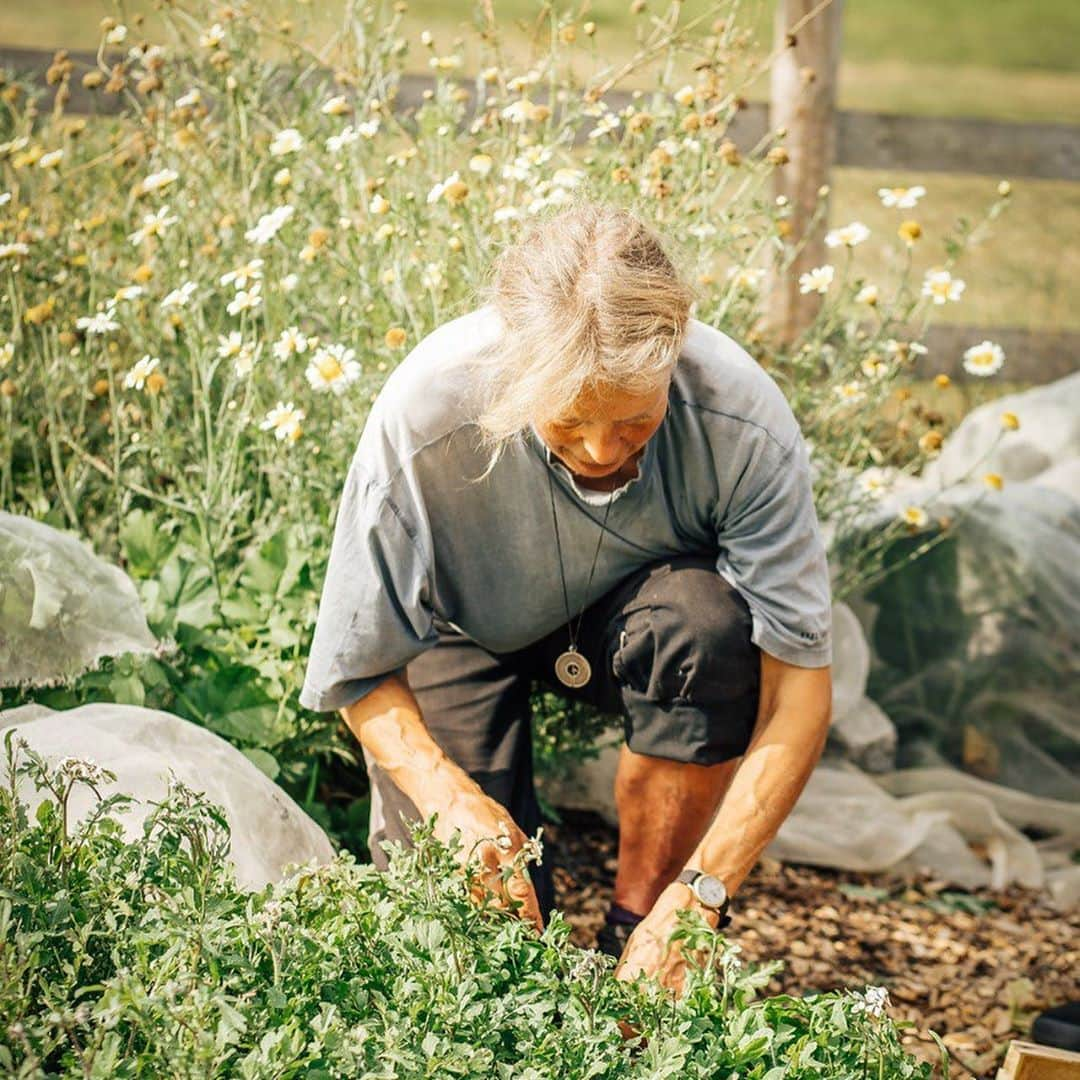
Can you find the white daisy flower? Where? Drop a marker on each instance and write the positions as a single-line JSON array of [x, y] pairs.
[[153, 225], [178, 298], [941, 286], [817, 280], [904, 349], [101, 322], [212, 37], [192, 97], [5, 197], [283, 177], [850, 392], [437, 192], [333, 368], [518, 112], [481, 164], [242, 275], [245, 358], [117, 34], [289, 282], [685, 96], [847, 235], [229, 345], [47, 161], [444, 63], [290, 342], [868, 294], [876, 481], [378, 204], [608, 123], [245, 299], [901, 198], [505, 213], [158, 180], [336, 106], [369, 128], [136, 377], [568, 178], [914, 515], [432, 277], [286, 141], [746, 278], [986, 358], [284, 421], [14, 250], [267, 227], [346, 137], [128, 292], [7, 352]]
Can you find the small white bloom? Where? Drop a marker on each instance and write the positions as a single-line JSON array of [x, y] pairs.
[[518, 112], [437, 192], [289, 282], [290, 342], [47, 161], [136, 377], [505, 213], [245, 358], [444, 63], [102, 322], [746, 278], [336, 106], [333, 368], [914, 515], [212, 37], [850, 392], [868, 294], [346, 137], [941, 286], [608, 123], [284, 420], [7, 352], [286, 141], [242, 275], [847, 235], [283, 177], [13, 250], [904, 349], [685, 96], [116, 34], [153, 225], [245, 299], [229, 345], [192, 97], [369, 128], [568, 178], [378, 204], [901, 198], [267, 227], [127, 292], [158, 180], [5, 197], [178, 298], [817, 280], [876, 481], [432, 276], [481, 164], [986, 358]]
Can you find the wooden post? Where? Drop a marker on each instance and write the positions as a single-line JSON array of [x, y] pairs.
[[1029, 1061], [803, 101]]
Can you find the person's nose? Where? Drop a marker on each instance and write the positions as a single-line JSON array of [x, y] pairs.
[[602, 445]]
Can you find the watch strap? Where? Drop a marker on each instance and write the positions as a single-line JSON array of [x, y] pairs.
[[688, 877]]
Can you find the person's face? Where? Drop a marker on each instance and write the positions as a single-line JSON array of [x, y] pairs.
[[603, 431]]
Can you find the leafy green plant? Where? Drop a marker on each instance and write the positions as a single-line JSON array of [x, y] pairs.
[[144, 958]]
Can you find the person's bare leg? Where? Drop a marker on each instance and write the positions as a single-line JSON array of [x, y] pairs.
[[664, 809]]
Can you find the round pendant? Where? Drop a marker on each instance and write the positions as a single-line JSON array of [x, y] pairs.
[[573, 669]]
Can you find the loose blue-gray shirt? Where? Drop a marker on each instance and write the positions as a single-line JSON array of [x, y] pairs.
[[417, 536]]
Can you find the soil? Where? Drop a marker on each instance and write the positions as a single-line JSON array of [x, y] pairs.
[[976, 967]]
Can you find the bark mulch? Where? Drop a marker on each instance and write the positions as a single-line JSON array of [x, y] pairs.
[[976, 967]]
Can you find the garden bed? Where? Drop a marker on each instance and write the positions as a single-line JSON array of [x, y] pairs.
[[974, 967]]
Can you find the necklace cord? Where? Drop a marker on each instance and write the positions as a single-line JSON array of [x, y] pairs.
[[562, 571]]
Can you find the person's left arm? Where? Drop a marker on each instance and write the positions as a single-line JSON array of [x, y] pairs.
[[794, 712]]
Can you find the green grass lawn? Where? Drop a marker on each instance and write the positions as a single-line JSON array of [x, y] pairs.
[[990, 58]]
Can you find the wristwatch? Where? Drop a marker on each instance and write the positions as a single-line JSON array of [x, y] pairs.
[[709, 890]]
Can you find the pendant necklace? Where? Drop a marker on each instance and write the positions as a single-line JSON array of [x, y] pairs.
[[571, 668]]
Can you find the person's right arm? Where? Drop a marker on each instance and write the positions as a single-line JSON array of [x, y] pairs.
[[388, 723]]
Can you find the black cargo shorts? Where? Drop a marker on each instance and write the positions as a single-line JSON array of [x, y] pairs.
[[670, 652]]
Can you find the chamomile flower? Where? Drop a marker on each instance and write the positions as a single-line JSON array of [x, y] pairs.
[[607, 123], [983, 359], [345, 137], [153, 225], [136, 377], [336, 106], [850, 392], [876, 481], [242, 276], [14, 250], [229, 345], [192, 97], [51, 159], [868, 295], [941, 286], [333, 367], [286, 141], [101, 322], [284, 421], [901, 198], [915, 516], [7, 353], [817, 280], [290, 342], [156, 181], [128, 292], [268, 226], [847, 236], [369, 128], [245, 358], [432, 276], [212, 37], [873, 1002], [746, 278], [178, 298], [481, 164], [245, 299]]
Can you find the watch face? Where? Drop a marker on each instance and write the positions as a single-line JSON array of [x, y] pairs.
[[711, 890]]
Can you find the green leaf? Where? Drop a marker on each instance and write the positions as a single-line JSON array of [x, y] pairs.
[[145, 542], [265, 761]]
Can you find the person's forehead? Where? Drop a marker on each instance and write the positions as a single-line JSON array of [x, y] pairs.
[[611, 403]]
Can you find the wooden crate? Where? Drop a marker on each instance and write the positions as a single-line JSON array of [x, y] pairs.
[[1029, 1061]]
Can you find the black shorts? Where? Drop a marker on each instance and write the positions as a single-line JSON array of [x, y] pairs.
[[670, 652]]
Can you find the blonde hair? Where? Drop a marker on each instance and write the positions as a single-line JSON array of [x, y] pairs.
[[588, 299]]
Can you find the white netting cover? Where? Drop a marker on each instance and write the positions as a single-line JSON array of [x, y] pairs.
[[61, 607], [268, 829]]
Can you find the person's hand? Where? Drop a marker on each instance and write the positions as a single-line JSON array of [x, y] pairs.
[[489, 833], [647, 951]]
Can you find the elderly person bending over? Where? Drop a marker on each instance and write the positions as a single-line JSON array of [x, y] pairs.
[[577, 482]]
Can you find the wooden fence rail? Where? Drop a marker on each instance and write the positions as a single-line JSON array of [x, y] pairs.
[[863, 140]]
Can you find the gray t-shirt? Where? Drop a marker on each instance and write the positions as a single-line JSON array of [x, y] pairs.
[[418, 536]]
